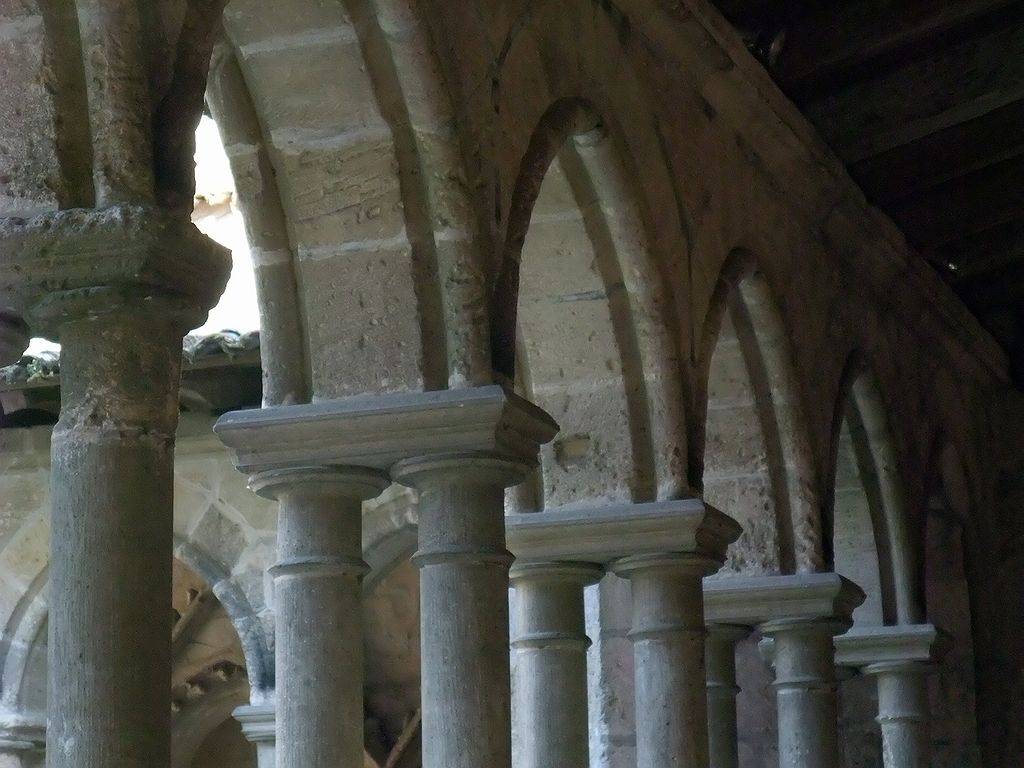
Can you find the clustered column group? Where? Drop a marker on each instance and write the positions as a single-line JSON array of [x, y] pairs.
[[459, 451]]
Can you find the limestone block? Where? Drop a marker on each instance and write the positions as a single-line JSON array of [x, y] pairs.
[[280, 78], [341, 195], [22, 495], [558, 262], [31, 180], [220, 538], [449, 196], [424, 91], [254, 21], [28, 553], [363, 328], [191, 502]]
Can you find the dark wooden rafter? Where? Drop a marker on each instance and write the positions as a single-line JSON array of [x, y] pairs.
[[983, 252], [958, 83], [924, 101], [964, 206], [943, 156], [834, 43], [994, 290]]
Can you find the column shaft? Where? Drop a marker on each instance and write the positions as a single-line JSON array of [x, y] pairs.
[[668, 640], [805, 690], [723, 732], [464, 606], [318, 598], [110, 566], [550, 650], [903, 714]]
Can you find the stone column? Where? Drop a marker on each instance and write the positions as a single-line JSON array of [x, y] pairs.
[[464, 634], [550, 647], [664, 548], [318, 603], [903, 713], [806, 691], [259, 726], [110, 569], [668, 637], [899, 658], [460, 450], [798, 615], [723, 733], [132, 280]]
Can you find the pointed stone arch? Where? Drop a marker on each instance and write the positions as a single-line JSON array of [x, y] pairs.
[[867, 529], [752, 441]]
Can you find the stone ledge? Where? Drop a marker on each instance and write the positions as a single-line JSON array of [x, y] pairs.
[[605, 534], [258, 721], [754, 600], [376, 431], [123, 247], [913, 643]]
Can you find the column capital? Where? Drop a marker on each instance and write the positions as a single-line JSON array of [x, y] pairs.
[[580, 574], [439, 430], [490, 468], [258, 721], [780, 603], [630, 536], [67, 264], [729, 633], [912, 648], [354, 482]]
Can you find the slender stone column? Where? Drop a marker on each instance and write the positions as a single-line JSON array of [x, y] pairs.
[[903, 713], [723, 733], [550, 646], [460, 450], [798, 615], [900, 659], [668, 637], [318, 599], [806, 691], [259, 726], [664, 548], [464, 634]]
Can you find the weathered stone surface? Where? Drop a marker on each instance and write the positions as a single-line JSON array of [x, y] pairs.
[[126, 248]]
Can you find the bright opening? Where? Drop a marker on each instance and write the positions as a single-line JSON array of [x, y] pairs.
[[216, 214]]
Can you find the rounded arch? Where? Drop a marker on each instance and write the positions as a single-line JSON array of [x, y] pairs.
[[751, 446], [866, 523], [582, 320]]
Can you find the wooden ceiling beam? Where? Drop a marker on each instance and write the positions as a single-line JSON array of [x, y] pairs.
[[994, 290], [960, 83], [948, 154], [964, 206], [830, 39], [982, 252]]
